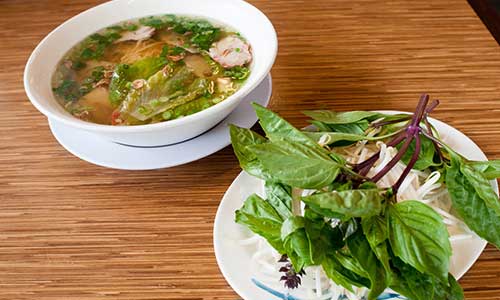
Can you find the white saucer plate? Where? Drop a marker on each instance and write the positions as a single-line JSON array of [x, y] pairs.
[[234, 260], [102, 152]]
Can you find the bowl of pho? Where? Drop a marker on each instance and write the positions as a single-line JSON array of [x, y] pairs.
[[153, 72]]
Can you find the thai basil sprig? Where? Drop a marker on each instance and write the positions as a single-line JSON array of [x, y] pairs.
[[354, 230]]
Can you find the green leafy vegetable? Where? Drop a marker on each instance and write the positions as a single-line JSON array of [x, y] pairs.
[[482, 187], [281, 198], [418, 237], [188, 108], [342, 275], [489, 169], [124, 75], [411, 283], [419, 286], [346, 204], [278, 129], [361, 250], [296, 242], [242, 139], [260, 217], [471, 207], [333, 213], [376, 232], [296, 164], [425, 156], [307, 241], [330, 117], [162, 92]]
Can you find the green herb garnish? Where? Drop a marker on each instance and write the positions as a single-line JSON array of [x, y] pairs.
[[237, 73], [200, 32], [359, 233], [69, 90]]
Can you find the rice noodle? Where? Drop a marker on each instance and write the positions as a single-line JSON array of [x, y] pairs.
[[422, 186]]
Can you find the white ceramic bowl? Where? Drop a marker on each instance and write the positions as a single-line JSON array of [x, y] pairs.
[[240, 15]]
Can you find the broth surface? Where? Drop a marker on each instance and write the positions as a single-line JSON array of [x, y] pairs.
[[151, 70]]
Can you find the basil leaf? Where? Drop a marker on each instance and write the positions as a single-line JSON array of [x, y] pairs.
[[346, 204], [296, 164], [280, 197], [489, 169], [425, 156], [456, 291], [354, 128], [322, 237], [241, 139], [331, 117], [482, 186], [308, 239], [411, 283], [348, 228], [414, 285], [362, 252], [334, 137], [278, 129], [470, 206], [419, 237], [377, 234], [345, 258], [296, 242], [320, 126], [341, 275], [261, 218]]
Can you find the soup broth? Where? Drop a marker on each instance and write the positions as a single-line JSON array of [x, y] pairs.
[[151, 70]]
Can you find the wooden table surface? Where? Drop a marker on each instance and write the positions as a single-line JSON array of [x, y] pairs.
[[72, 230]]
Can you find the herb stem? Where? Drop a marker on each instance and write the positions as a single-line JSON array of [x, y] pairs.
[[432, 106], [409, 166], [395, 159], [296, 195], [384, 123], [368, 163], [436, 146], [419, 112]]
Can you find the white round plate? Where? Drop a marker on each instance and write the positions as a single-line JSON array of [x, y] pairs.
[[102, 152], [234, 259]]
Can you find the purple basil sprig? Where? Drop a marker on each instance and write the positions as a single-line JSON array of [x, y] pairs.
[[292, 279], [411, 132]]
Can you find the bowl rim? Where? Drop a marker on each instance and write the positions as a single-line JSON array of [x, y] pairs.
[[74, 122]]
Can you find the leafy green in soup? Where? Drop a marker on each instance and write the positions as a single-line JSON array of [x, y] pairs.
[[151, 70]]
